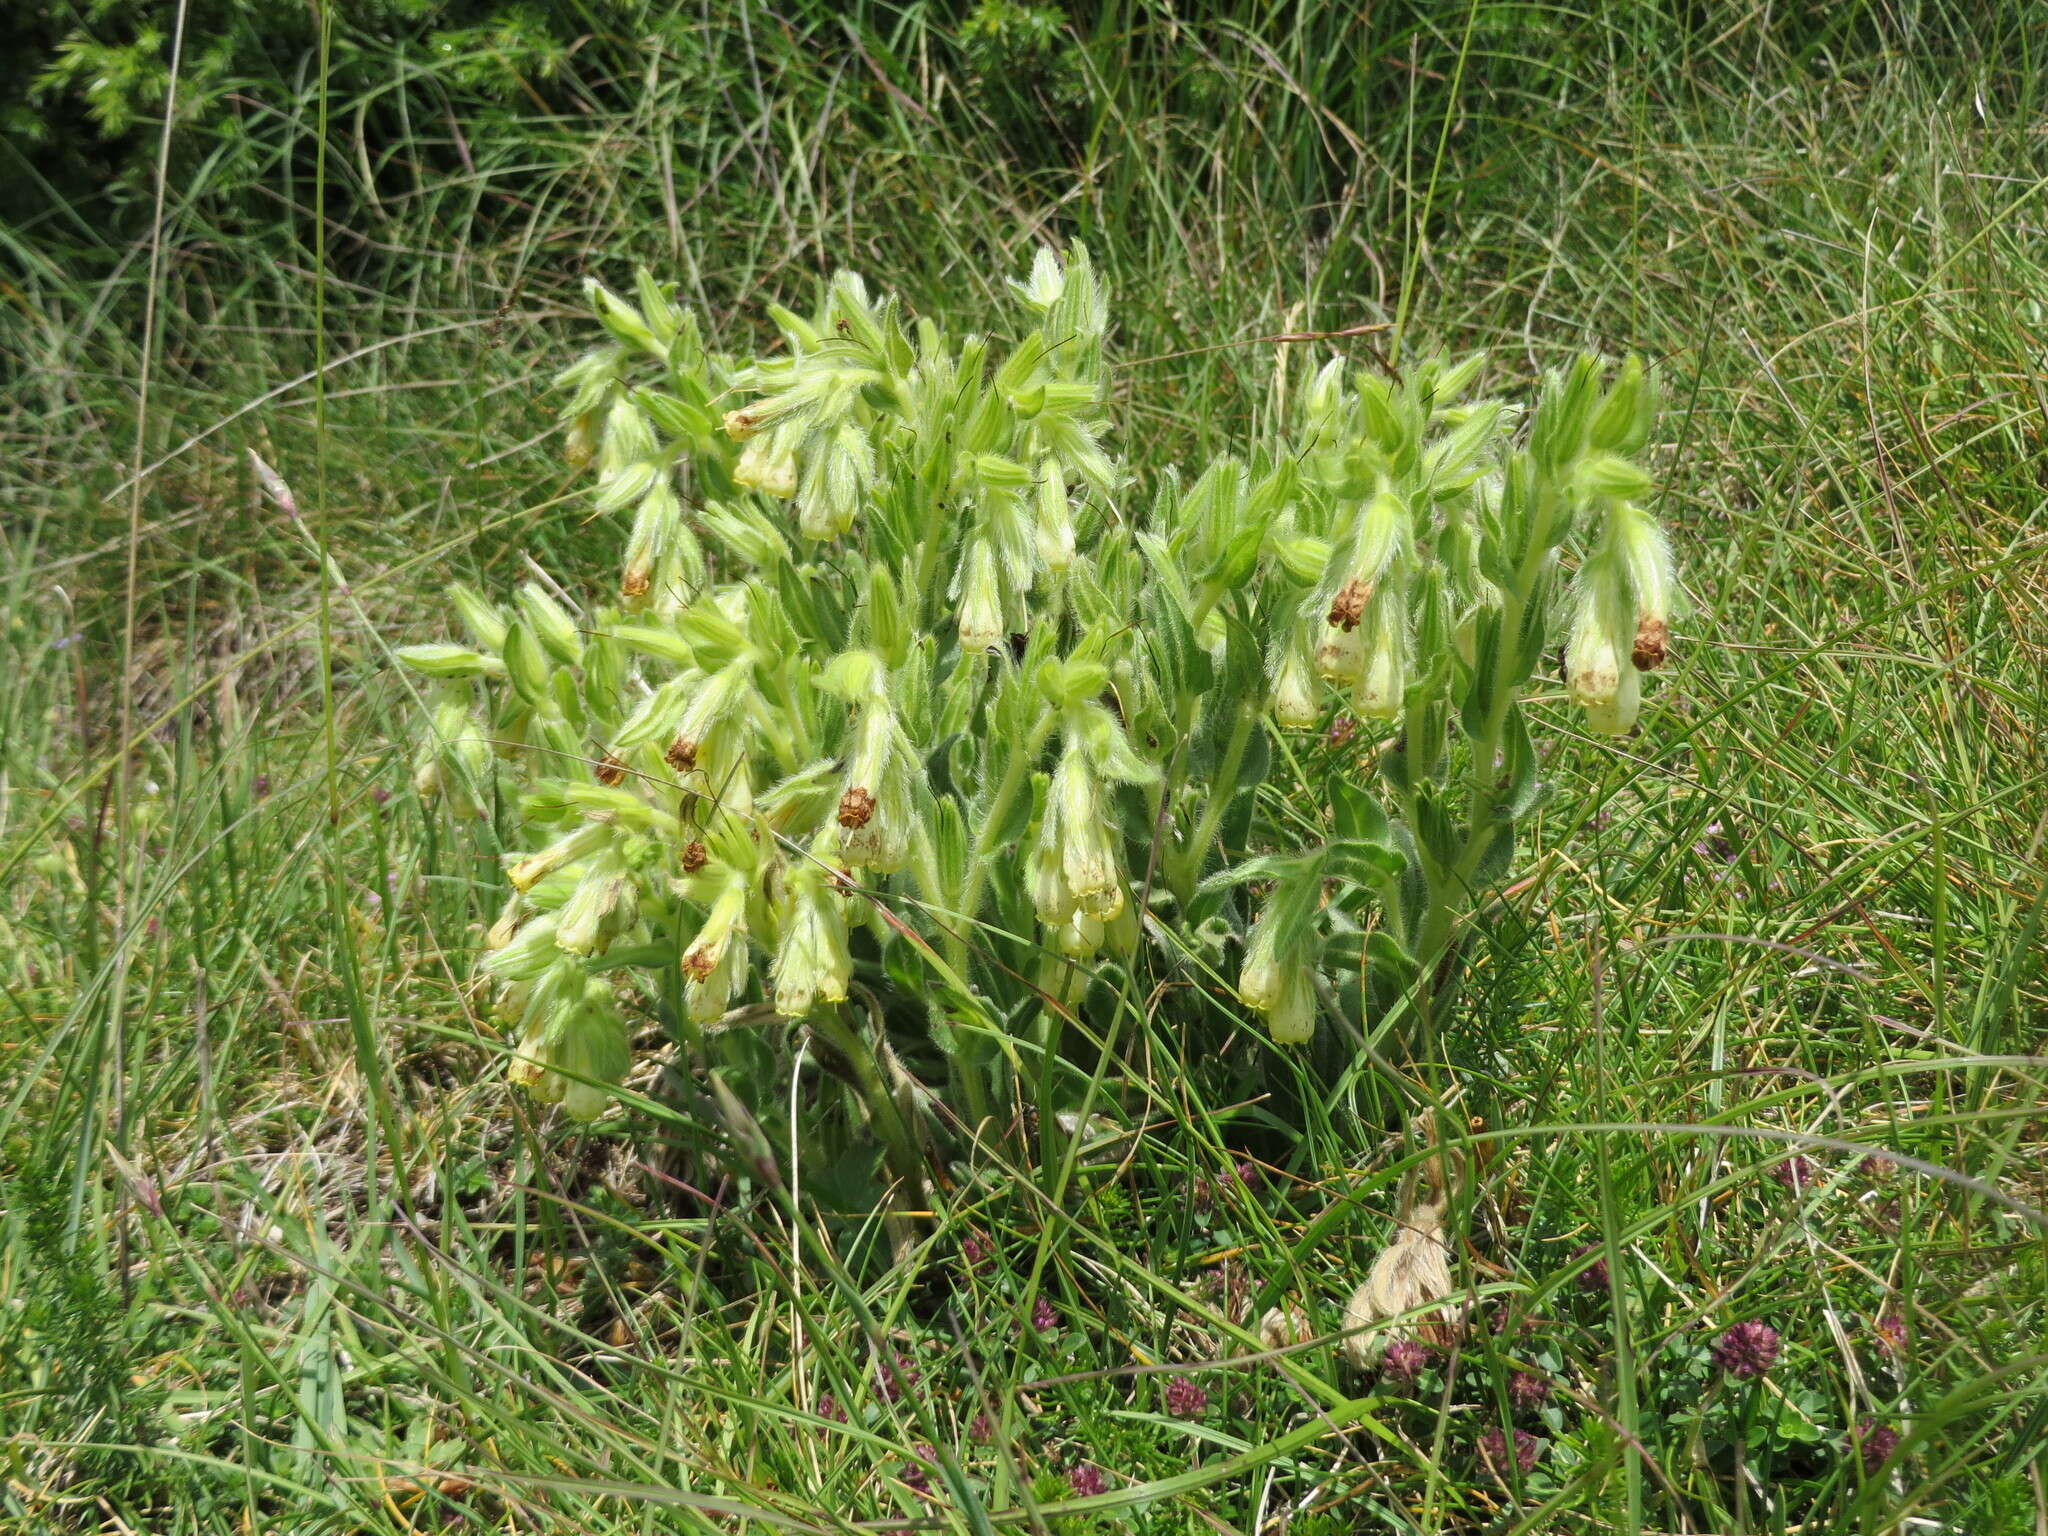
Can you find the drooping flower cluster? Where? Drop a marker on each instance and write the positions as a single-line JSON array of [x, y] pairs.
[[901, 676]]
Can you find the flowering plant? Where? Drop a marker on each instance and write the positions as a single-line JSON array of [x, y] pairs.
[[908, 698]]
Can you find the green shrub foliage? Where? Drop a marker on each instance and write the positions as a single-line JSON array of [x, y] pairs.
[[909, 694]]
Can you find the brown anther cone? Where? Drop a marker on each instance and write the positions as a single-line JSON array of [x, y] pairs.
[[1349, 607], [681, 754], [633, 584], [1652, 636], [611, 771], [856, 806], [699, 963], [695, 856]]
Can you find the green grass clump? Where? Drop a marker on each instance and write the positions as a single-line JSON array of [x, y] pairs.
[[280, 1250]]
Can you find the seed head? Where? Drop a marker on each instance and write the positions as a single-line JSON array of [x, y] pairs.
[[1410, 1272], [1184, 1399], [1283, 1326], [1747, 1350]]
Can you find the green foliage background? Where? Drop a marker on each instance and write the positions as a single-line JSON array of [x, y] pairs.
[[278, 1252]]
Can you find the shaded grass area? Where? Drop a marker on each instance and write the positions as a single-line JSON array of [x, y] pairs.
[[281, 1251]]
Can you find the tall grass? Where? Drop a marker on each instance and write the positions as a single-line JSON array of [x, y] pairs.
[[279, 1250]]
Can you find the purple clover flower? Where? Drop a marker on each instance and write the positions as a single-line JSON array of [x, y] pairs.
[[1747, 1350], [1795, 1173], [1404, 1360], [917, 1471], [1493, 1451], [1184, 1399], [1875, 1442], [896, 1376], [1594, 1276], [1891, 1334], [1528, 1391], [1043, 1317], [1087, 1481]]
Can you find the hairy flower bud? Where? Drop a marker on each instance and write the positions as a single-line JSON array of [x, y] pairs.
[[580, 844], [550, 623], [579, 443], [1295, 701], [1383, 681], [479, 615], [1279, 986], [574, 1047], [605, 904], [621, 318], [449, 661], [1075, 819], [659, 538], [768, 465], [812, 964], [1053, 526], [628, 439], [1599, 670], [876, 805], [528, 954], [1340, 654], [709, 733], [981, 601], [1647, 558]]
